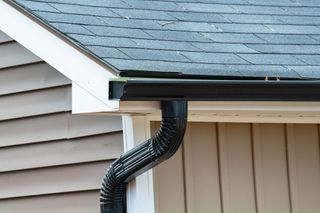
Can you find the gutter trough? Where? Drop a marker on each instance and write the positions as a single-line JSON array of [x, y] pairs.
[[214, 90], [174, 96]]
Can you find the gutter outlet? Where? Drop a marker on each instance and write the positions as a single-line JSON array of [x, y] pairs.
[[145, 156]]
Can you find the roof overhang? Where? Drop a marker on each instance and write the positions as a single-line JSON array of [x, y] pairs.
[[89, 75], [219, 101], [222, 100]]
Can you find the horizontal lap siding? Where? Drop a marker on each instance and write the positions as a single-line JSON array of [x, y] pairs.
[[78, 202], [242, 168], [50, 160]]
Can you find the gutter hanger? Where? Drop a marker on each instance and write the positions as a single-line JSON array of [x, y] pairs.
[[144, 157]]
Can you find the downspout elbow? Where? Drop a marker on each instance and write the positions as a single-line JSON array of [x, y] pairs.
[[145, 156]]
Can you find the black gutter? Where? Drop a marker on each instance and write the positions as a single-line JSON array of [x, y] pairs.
[[214, 90], [144, 157]]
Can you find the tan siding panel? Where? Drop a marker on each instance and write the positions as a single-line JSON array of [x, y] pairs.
[[55, 127], [4, 37], [84, 202], [236, 168], [30, 77], [13, 54], [35, 103], [304, 167], [274, 166], [201, 164], [263, 168], [94, 148], [52, 180], [170, 183]]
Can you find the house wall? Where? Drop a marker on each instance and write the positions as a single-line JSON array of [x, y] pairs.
[[242, 168], [50, 160]]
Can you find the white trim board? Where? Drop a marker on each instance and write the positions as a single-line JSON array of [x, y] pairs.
[[247, 112], [89, 76], [140, 192]]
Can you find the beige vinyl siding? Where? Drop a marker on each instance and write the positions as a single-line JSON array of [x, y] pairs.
[[50, 160], [242, 168]]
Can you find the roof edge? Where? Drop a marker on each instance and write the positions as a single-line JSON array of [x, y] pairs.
[[85, 71], [60, 35]]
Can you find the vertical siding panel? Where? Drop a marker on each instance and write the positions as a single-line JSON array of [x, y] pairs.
[[236, 168], [201, 169], [303, 149], [223, 161], [258, 168], [169, 183], [292, 168], [274, 168]]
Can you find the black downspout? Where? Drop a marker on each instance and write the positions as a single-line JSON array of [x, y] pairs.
[[144, 157]]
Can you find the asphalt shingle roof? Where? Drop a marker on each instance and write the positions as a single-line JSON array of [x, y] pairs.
[[257, 38]]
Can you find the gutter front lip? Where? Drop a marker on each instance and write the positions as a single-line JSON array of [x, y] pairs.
[[213, 90]]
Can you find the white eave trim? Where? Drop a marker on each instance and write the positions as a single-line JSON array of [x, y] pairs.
[[236, 111], [89, 76]]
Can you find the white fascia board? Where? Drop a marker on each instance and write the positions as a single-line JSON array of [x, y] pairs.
[[90, 76]]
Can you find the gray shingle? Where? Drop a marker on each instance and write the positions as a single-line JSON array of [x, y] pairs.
[[189, 26], [176, 35], [117, 32], [37, 6], [286, 49], [143, 14], [160, 55], [86, 10], [303, 11], [310, 59], [317, 38], [107, 52], [300, 20], [233, 38], [248, 18], [198, 17], [263, 10], [243, 28], [214, 58], [309, 2], [271, 59], [287, 39], [294, 29], [69, 18], [103, 41], [263, 71], [131, 23], [154, 5], [165, 45], [274, 2], [72, 28], [307, 71], [96, 3], [214, 8], [219, 47], [186, 68]]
